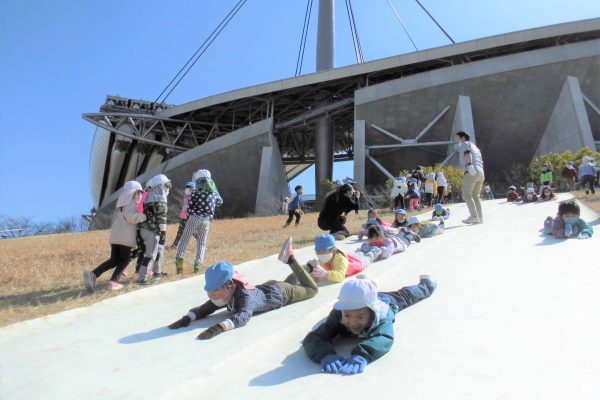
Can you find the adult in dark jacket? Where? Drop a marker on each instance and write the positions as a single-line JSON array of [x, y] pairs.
[[342, 201]]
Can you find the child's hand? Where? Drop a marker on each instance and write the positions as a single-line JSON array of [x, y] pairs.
[[331, 364], [354, 365], [318, 272], [584, 235], [181, 323], [211, 332]]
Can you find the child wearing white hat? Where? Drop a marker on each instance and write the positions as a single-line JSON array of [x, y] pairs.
[[362, 312]]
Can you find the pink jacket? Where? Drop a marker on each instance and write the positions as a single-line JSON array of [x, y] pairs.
[[184, 214]]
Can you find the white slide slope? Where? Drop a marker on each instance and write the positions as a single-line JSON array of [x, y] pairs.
[[516, 315]]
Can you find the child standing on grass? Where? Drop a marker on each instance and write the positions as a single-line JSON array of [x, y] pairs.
[[442, 182], [154, 230], [568, 223], [122, 237], [366, 314], [203, 202], [227, 288], [294, 208], [430, 187], [184, 214], [545, 176]]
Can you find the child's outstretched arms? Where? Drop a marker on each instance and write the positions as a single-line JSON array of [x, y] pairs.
[[318, 343], [195, 313]]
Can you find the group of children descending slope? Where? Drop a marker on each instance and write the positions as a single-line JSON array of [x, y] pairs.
[[361, 311]]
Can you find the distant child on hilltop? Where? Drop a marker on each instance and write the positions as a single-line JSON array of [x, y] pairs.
[[424, 229], [570, 175], [203, 202], [413, 195], [228, 288], [442, 184], [568, 223], [332, 264], [545, 176], [530, 196], [362, 312], [122, 238], [399, 218], [487, 193], [512, 195], [398, 192], [430, 187], [440, 214], [294, 208], [184, 214], [547, 194], [587, 174], [379, 246]]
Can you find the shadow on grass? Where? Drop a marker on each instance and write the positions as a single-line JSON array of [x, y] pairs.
[[164, 331], [42, 297]]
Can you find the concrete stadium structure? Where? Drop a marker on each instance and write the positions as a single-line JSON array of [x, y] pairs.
[[522, 94]]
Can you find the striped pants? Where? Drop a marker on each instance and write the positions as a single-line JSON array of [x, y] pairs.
[[198, 225]]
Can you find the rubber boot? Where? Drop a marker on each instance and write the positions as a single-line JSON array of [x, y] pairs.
[[179, 266], [197, 267]]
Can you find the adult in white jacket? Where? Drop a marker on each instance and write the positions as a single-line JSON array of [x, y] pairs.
[[122, 236], [397, 193]]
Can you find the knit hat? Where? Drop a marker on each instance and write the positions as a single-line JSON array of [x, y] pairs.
[[530, 191], [191, 184], [355, 294], [412, 221], [400, 211], [217, 275], [439, 207], [201, 173], [324, 242]]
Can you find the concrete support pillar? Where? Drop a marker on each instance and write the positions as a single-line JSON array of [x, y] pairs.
[[326, 36], [359, 152], [463, 121], [324, 138], [569, 127]]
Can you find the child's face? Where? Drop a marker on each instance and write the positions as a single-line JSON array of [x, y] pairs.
[[569, 215], [222, 293], [300, 191], [371, 214], [547, 193], [357, 321], [400, 217], [376, 241], [414, 228], [137, 197]]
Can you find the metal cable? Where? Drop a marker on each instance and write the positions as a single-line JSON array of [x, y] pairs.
[[206, 44], [402, 24], [362, 59], [352, 33], [305, 27], [433, 19]]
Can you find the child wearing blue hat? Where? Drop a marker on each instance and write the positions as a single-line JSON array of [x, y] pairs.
[[332, 264], [440, 214], [399, 218], [228, 288], [184, 213], [424, 229], [362, 312]]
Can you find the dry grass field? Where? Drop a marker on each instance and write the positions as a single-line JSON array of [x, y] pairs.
[[41, 275]]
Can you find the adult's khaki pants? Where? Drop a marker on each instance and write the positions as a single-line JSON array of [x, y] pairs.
[[471, 188]]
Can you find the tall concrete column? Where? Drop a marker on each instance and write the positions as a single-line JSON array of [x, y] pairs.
[[324, 135], [326, 36]]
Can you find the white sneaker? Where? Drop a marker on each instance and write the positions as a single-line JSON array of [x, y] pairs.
[[286, 251], [471, 220]]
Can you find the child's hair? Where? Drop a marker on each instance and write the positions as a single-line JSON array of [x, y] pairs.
[[299, 187], [373, 212], [568, 207], [551, 196], [374, 231]]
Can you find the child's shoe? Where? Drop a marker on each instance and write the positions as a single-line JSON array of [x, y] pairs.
[[179, 266], [426, 279], [89, 280], [471, 220], [197, 267], [286, 251], [442, 225], [112, 285], [339, 236], [124, 272]]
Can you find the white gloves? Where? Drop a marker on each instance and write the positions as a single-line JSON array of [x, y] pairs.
[[318, 273], [583, 235], [471, 169]]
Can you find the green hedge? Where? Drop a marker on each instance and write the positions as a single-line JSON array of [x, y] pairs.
[[557, 163]]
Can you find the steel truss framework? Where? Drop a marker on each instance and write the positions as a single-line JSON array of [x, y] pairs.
[[294, 110]]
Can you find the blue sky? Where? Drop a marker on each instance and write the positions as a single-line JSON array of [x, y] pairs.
[[61, 58]]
